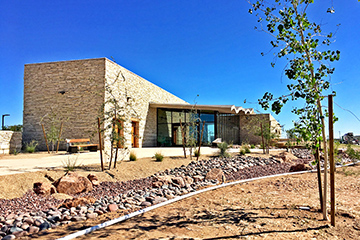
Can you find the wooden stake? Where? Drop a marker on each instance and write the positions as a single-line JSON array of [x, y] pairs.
[[317, 155], [262, 138], [47, 146], [182, 128], [100, 145], [58, 143], [202, 132], [332, 162]]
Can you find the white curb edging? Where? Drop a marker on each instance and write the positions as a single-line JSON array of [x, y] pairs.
[[141, 211]]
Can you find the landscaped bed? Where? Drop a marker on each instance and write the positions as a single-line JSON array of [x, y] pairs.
[[134, 194]]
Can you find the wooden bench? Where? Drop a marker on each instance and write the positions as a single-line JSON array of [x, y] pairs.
[[74, 145]]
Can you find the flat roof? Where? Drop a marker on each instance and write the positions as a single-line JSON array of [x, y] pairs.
[[220, 108]]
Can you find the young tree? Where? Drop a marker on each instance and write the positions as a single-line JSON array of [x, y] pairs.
[[305, 47]]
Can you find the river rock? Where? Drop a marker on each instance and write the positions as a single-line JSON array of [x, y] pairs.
[[44, 188], [216, 174]]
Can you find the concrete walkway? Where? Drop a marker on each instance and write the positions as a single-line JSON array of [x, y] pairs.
[[10, 164], [22, 163]]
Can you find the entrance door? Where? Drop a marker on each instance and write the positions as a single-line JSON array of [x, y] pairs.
[[134, 134], [176, 134]]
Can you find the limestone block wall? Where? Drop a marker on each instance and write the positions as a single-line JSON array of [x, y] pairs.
[[249, 124], [10, 142], [68, 91], [137, 93]]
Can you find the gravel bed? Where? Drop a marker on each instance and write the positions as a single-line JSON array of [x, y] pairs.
[[32, 213]]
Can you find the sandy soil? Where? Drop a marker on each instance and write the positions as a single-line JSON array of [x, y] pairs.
[[263, 209]]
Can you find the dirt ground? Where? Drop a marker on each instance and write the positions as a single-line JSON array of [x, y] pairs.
[[262, 209]]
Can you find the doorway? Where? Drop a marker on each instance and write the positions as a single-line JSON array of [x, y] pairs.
[[134, 134]]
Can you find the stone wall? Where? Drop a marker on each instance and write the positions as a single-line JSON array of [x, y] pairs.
[[137, 93], [67, 91], [250, 124], [73, 92], [10, 142]]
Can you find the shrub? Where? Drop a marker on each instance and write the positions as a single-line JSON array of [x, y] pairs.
[[159, 157], [223, 149], [246, 149], [31, 146], [242, 152], [197, 153], [132, 156], [71, 163], [353, 154], [252, 146]]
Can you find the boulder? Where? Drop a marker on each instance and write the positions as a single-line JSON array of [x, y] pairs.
[[179, 181], [216, 174], [72, 183], [44, 188], [113, 207], [93, 179], [300, 167], [287, 156], [81, 201]]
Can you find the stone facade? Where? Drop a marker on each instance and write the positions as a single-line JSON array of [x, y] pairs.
[[74, 92], [250, 124], [10, 142]]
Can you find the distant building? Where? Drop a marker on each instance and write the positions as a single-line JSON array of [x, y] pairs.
[[75, 92]]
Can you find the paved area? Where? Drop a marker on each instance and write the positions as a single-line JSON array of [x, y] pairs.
[[21, 163]]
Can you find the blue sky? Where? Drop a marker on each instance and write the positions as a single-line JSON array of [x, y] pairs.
[[190, 48]]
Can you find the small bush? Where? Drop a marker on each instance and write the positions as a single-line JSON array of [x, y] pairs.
[[31, 146], [197, 153], [246, 149], [223, 149], [242, 152], [158, 157], [252, 146], [71, 163], [353, 154], [132, 156]]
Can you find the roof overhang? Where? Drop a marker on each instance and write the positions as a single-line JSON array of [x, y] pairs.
[[231, 109]]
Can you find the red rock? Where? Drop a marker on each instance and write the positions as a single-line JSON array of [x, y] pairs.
[[72, 183], [44, 188], [216, 174], [198, 178], [189, 180], [93, 179], [300, 167], [113, 207], [81, 201], [178, 181]]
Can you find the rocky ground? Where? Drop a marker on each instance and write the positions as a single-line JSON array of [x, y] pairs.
[[33, 213]]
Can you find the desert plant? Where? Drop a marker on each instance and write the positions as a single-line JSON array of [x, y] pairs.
[[31, 146], [352, 153], [223, 149], [197, 153], [252, 146], [71, 163], [231, 143], [133, 156], [246, 149], [242, 152], [158, 157]]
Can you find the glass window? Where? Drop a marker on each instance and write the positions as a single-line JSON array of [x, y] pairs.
[[164, 116]]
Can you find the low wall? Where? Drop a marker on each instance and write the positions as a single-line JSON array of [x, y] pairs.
[[10, 142]]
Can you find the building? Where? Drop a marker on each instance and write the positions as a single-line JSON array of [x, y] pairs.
[[77, 92]]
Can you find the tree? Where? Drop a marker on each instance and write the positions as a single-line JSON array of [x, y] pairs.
[[305, 47], [114, 114]]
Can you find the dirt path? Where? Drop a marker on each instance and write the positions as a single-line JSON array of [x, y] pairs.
[[264, 209]]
